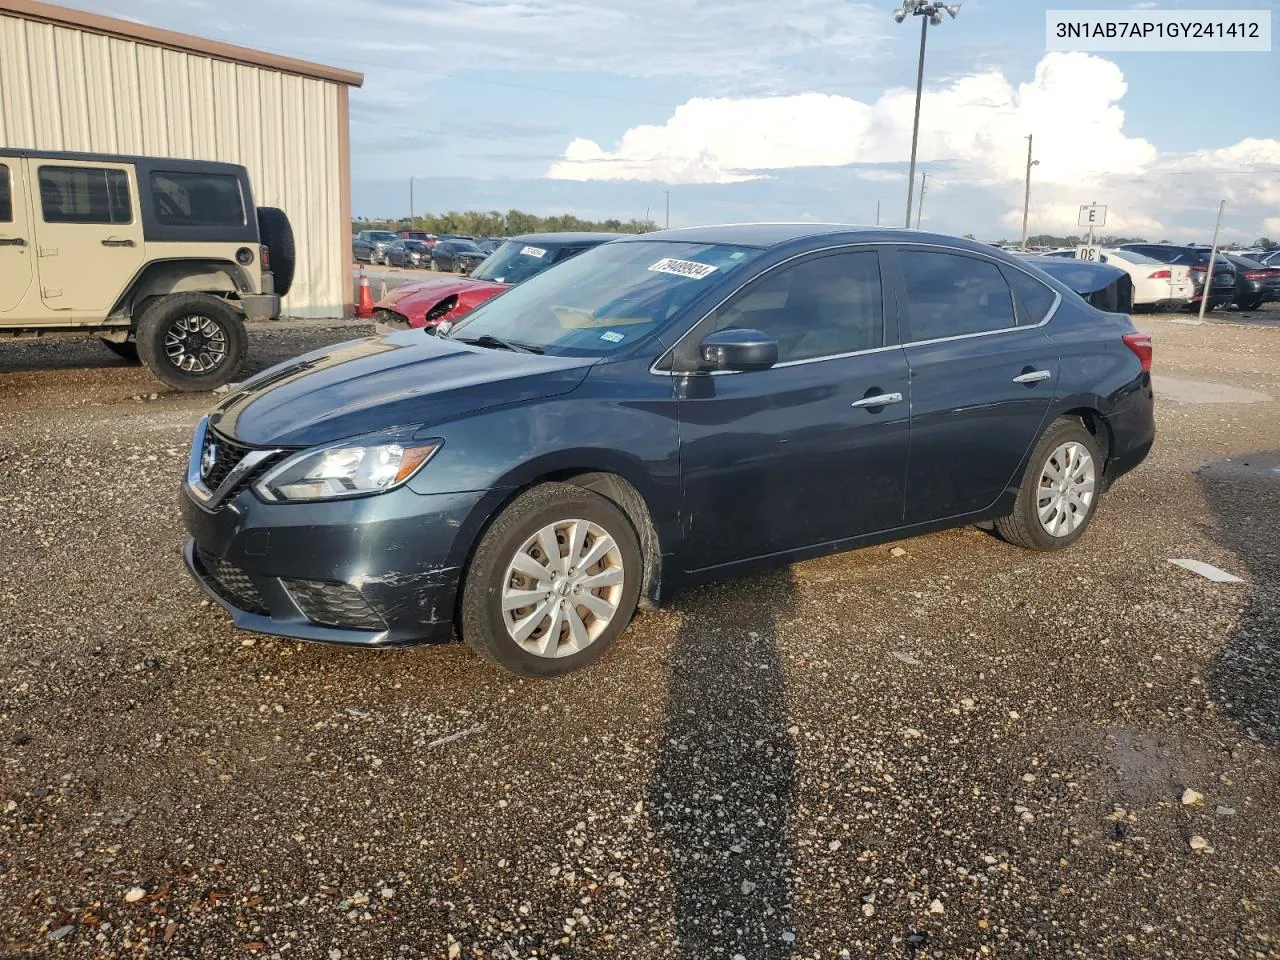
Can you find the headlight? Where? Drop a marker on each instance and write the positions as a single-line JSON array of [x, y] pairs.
[[350, 469]]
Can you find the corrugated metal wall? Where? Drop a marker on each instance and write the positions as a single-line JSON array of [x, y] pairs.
[[65, 89]]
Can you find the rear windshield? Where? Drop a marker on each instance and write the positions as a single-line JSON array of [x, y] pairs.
[[1130, 256], [197, 199], [605, 299], [515, 262]]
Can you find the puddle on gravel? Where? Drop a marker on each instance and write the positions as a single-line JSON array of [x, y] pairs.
[[1204, 391], [1257, 466]]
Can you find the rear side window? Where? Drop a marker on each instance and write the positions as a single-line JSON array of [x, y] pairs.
[[1034, 300], [84, 195], [949, 295], [6, 196], [197, 199]]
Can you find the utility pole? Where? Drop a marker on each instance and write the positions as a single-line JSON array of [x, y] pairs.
[[877, 213], [668, 193], [915, 124], [411, 203], [1213, 254], [924, 185], [1026, 197]]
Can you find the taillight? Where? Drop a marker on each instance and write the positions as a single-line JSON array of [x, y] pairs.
[[264, 255], [1140, 344], [1161, 275], [1256, 275]]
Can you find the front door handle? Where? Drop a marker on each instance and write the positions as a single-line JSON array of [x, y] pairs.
[[12, 242], [878, 400], [1032, 376], [118, 243]]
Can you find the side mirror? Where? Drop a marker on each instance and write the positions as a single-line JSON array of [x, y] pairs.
[[737, 349]]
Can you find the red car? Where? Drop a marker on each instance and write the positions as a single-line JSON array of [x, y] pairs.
[[427, 303]]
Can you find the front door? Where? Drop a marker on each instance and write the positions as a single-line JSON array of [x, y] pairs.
[[16, 242], [88, 234], [983, 373], [795, 456]]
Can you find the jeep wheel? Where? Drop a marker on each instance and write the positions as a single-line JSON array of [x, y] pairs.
[[192, 341]]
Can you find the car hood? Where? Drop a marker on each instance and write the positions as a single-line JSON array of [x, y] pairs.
[[404, 379], [436, 289]]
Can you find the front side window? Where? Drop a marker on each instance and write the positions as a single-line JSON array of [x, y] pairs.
[[6, 196], [951, 295], [823, 306], [605, 299], [197, 199], [84, 195]]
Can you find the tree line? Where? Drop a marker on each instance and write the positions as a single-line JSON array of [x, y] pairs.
[[495, 223]]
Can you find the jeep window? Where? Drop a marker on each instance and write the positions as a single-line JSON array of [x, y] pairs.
[[84, 195], [6, 198], [197, 199]]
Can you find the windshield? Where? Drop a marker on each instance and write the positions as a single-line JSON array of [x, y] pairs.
[[381, 235], [515, 262], [462, 246], [605, 299]]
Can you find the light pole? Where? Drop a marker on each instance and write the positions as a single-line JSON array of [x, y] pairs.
[[411, 204], [1026, 198], [668, 193], [924, 185], [929, 13]]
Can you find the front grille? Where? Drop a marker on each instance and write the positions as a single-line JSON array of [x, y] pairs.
[[230, 583], [334, 604], [227, 455]]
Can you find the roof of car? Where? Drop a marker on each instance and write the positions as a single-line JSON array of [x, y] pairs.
[[564, 237], [765, 235]]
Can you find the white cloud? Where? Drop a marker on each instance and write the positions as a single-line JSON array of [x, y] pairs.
[[978, 122]]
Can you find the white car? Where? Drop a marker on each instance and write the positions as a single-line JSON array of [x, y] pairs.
[[1155, 284]]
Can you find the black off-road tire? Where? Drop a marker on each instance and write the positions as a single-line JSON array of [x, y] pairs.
[[481, 621], [1023, 527], [276, 232], [161, 315], [126, 351]]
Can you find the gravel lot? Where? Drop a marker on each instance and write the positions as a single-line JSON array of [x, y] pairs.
[[963, 751]]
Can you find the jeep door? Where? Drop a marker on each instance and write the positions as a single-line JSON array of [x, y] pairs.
[[16, 247], [88, 234]]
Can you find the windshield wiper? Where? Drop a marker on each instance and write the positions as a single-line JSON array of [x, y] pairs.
[[489, 340]]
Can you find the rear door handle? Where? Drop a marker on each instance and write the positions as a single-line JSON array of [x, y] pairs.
[[118, 243], [878, 400], [12, 242], [1032, 376]]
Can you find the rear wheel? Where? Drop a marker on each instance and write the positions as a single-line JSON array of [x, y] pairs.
[[1059, 492], [553, 583], [192, 341], [1251, 303]]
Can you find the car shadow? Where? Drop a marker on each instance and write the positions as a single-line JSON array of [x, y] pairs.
[[1244, 496], [725, 776]]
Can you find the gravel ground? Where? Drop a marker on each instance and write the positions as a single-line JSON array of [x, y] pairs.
[[965, 750]]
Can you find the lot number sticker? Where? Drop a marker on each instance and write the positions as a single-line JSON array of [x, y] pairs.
[[533, 251], [684, 268]]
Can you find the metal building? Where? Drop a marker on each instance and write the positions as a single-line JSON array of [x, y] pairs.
[[71, 80]]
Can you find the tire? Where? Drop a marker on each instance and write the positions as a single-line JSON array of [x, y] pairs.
[[1023, 527], [276, 232], [1252, 303], [435, 264], [127, 351], [483, 621], [192, 319]]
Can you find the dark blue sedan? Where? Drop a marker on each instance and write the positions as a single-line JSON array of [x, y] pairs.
[[661, 410]]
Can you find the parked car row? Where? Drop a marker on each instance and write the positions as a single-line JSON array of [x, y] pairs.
[[658, 411], [416, 248]]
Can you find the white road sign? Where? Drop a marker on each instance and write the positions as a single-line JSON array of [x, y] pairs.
[[1089, 252], [1093, 215]]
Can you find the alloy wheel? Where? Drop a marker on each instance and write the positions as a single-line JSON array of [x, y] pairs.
[[562, 588], [1068, 481], [195, 344]]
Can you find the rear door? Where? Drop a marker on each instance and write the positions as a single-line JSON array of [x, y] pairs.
[[983, 373], [88, 233], [16, 242]]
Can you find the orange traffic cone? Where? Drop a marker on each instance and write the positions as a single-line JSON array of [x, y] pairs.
[[364, 305]]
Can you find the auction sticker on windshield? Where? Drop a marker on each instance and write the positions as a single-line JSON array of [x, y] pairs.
[[533, 251], [684, 268]]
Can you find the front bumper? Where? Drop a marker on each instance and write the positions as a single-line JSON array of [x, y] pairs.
[[392, 561]]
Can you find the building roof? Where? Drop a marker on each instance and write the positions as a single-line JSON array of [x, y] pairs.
[[128, 30]]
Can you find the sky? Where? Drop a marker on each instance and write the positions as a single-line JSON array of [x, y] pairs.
[[739, 110]]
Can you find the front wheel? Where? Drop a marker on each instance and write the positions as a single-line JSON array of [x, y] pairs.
[[1059, 492], [192, 341], [553, 583]]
